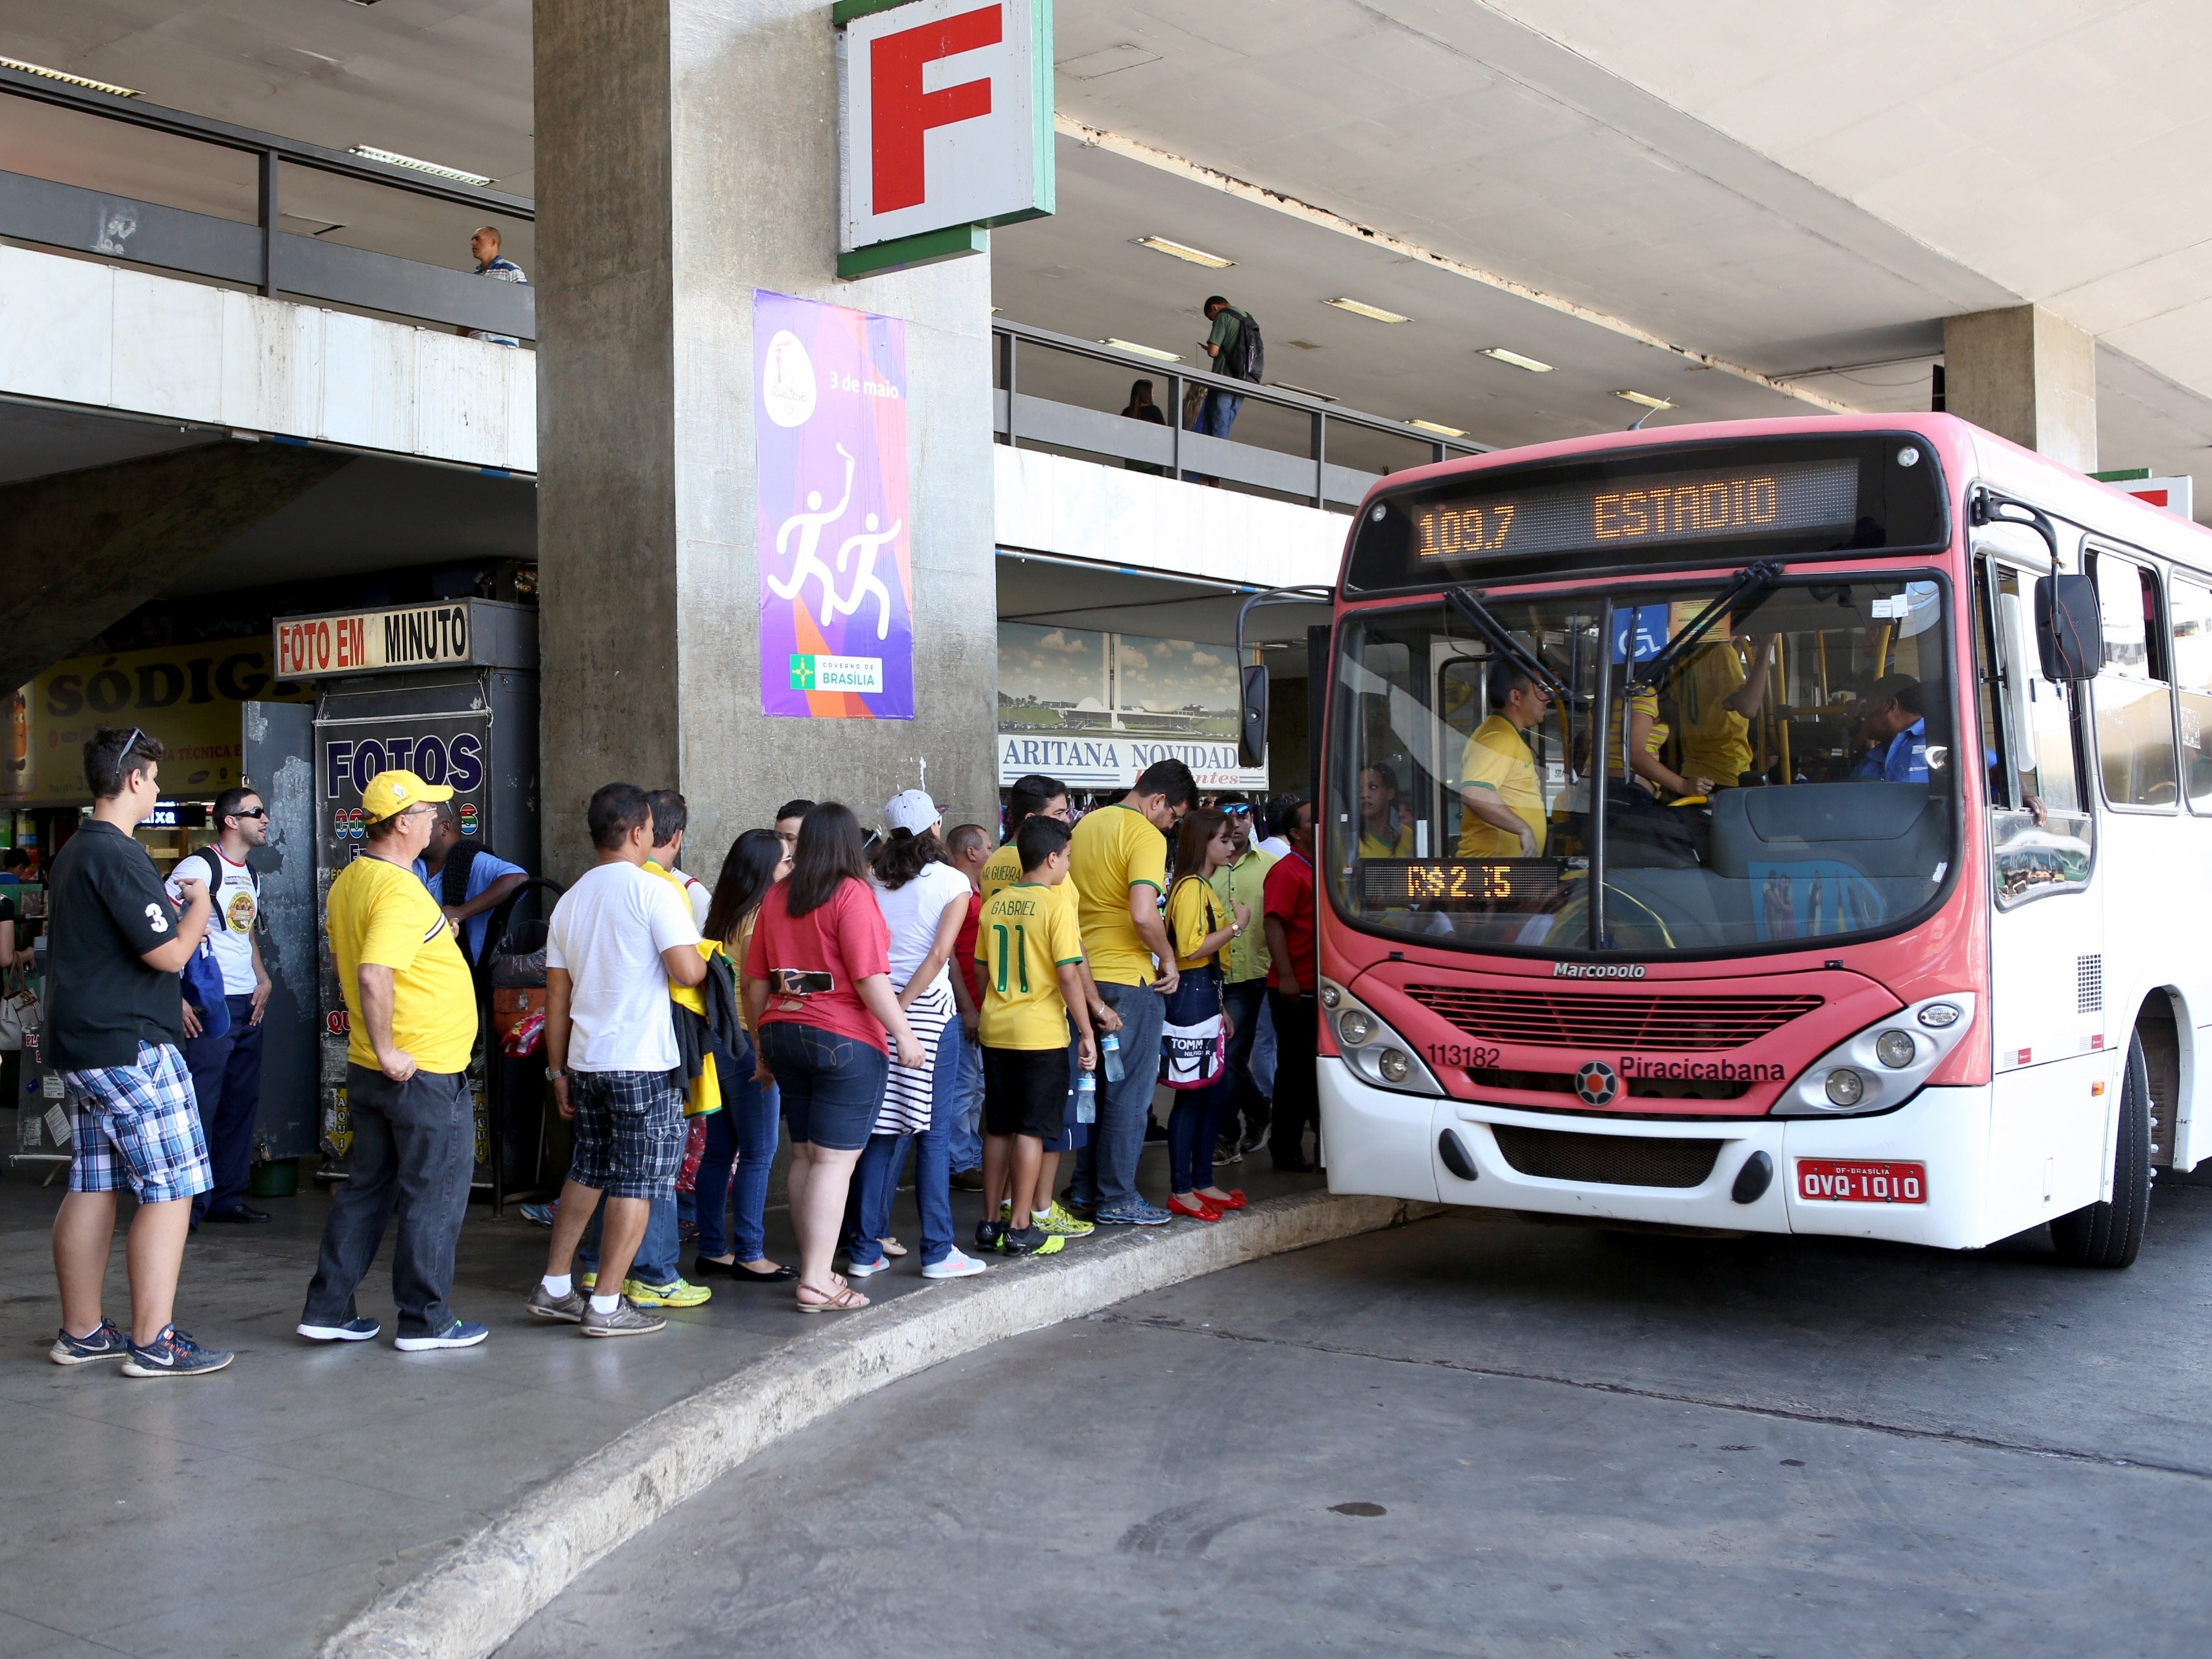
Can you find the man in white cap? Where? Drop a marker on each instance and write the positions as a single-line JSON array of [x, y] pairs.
[[412, 1008]]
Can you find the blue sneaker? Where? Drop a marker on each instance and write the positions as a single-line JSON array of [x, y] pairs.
[[354, 1330], [538, 1215], [455, 1336], [174, 1353], [1135, 1214], [108, 1342]]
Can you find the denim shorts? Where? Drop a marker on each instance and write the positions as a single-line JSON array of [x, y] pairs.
[[138, 1124], [832, 1085], [629, 1131]]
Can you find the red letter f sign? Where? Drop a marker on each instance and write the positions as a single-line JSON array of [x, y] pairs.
[[903, 111]]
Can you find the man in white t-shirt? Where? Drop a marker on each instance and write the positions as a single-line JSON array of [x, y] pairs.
[[671, 818], [615, 943], [226, 1069]]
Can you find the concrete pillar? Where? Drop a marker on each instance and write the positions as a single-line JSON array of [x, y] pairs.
[[686, 155], [2026, 375]]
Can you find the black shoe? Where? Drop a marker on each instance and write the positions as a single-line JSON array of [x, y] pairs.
[[967, 1180], [1155, 1130], [989, 1233], [1025, 1241], [1296, 1166], [707, 1267], [239, 1215]]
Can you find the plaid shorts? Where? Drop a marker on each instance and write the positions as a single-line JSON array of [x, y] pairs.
[[141, 1124], [629, 1131]]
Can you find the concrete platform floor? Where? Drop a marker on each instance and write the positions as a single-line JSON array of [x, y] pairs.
[[252, 1512], [1484, 1436]]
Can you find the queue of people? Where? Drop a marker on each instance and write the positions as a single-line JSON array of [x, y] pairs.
[[992, 1011]]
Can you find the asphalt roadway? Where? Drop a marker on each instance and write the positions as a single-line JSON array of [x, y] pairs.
[[1479, 1435]]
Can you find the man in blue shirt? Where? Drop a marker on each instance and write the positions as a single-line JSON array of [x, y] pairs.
[[489, 879], [1895, 730]]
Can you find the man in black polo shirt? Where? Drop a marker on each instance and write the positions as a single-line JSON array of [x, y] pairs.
[[115, 1024]]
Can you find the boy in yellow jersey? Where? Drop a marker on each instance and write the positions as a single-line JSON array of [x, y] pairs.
[[1031, 956], [1504, 805]]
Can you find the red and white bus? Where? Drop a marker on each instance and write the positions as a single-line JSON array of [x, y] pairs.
[[1928, 965]]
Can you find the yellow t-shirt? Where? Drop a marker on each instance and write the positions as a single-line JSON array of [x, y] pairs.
[[1114, 849], [1192, 913], [381, 913], [1644, 702], [1003, 868], [1021, 940], [1716, 740], [1499, 757], [1372, 846]]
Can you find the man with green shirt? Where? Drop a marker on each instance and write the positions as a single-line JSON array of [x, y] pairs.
[[1219, 412], [1244, 978]]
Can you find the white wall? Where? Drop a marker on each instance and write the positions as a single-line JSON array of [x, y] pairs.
[[80, 332], [1081, 510]]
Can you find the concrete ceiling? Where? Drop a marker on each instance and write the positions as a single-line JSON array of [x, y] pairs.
[[1646, 196]]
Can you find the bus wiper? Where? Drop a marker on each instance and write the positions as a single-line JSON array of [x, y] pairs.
[[1525, 662], [1760, 575]]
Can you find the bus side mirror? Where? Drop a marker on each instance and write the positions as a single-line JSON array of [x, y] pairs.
[[1252, 717], [2069, 627]]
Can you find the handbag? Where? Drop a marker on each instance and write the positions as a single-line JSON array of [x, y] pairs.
[[203, 985], [1193, 1036], [19, 1014]]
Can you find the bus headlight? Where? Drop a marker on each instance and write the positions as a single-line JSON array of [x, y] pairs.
[[1371, 1050], [1880, 1069]]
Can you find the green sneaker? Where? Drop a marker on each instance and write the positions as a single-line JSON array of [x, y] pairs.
[[587, 1281], [679, 1293], [1059, 1223], [1006, 1213]]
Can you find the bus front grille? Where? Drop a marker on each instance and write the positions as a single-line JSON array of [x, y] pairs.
[[1607, 1160], [1666, 1024]]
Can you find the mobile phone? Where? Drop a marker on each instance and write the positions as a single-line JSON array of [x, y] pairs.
[[801, 981]]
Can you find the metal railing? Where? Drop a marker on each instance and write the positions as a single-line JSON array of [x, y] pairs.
[[1174, 450], [270, 260]]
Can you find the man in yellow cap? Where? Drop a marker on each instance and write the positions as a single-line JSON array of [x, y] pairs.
[[412, 1008]]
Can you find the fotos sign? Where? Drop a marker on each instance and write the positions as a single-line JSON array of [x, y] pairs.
[[947, 117], [834, 527]]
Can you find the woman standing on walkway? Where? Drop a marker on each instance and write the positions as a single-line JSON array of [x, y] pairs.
[[744, 1133], [818, 991], [925, 905], [1198, 929]]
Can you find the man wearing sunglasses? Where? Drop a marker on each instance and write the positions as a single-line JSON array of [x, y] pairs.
[[226, 1069]]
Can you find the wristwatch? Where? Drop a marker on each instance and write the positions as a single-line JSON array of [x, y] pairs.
[[552, 1075]]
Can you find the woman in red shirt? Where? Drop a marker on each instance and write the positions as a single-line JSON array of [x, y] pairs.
[[818, 992]]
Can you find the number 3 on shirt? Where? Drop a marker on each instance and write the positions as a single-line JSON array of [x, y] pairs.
[[1021, 955]]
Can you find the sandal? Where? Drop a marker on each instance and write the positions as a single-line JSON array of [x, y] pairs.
[[840, 1301]]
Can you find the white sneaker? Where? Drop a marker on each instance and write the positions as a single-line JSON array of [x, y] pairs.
[[955, 1265], [862, 1269]]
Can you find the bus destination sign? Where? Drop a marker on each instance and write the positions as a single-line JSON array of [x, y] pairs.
[[1785, 499]]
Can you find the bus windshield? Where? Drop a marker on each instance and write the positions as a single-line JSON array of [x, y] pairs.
[[1787, 773]]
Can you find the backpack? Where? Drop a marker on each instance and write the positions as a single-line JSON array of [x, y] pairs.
[[1246, 359], [213, 860]]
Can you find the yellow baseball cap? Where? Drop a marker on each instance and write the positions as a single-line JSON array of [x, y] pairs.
[[392, 792]]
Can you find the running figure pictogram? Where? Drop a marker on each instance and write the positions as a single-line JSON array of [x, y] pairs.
[[806, 566]]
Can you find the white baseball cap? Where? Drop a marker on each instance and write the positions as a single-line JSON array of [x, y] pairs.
[[912, 810]]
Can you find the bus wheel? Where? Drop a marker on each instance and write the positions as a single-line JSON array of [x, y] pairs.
[[2108, 1235]]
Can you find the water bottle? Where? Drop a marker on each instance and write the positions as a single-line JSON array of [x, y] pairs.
[[1086, 1098], [1110, 1054]]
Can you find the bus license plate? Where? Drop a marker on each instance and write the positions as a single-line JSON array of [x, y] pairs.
[[1835, 1182]]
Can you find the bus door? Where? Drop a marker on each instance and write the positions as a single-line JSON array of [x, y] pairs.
[[2046, 1011]]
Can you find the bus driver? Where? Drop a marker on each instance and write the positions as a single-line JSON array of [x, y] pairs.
[[1894, 729], [1503, 815]]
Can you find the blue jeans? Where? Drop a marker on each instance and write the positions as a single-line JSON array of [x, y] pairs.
[[875, 1180], [656, 1254], [1218, 414], [1191, 1126], [227, 1079], [744, 1133], [1106, 1169], [965, 1134], [1245, 1002]]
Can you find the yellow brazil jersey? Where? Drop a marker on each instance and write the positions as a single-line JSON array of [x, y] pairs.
[[1193, 912], [1644, 702], [1003, 868], [1115, 848], [1497, 757], [381, 913], [1716, 740], [1400, 845], [1022, 939]]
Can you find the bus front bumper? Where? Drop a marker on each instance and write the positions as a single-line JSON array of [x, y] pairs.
[[1380, 1142]]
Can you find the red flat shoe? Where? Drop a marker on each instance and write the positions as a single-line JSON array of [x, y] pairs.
[[1234, 1202], [1204, 1211]]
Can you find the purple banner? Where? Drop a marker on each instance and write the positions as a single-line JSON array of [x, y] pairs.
[[834, 532]]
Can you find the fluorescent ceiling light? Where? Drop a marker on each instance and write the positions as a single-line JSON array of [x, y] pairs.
[[1302, 390], [1197, 256], [1516, 360], [393, 158], [1447, 431], [63, 75], [1153, 352], [1644, 400], [1373, 313]]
